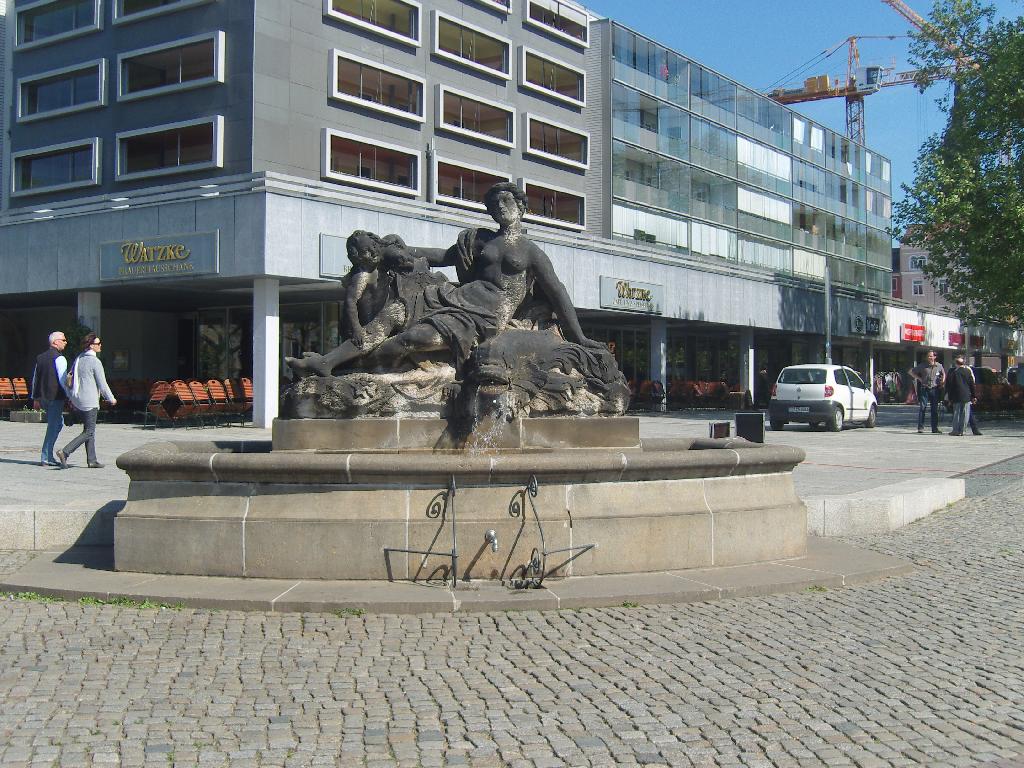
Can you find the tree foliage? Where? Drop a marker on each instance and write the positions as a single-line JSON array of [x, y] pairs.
[[966, 205]]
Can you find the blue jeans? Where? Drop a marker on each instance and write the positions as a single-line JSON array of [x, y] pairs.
[[961, 415], [926, 396], [54, 423]]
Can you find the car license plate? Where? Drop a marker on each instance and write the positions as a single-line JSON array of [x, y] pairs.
[[800, 409]]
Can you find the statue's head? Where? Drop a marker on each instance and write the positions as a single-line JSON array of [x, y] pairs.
[[365, 249], [494, 196]]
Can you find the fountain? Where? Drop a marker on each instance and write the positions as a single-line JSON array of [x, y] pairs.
[[461, 431]]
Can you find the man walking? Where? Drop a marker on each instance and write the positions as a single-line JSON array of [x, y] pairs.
[[48, 393], [930, 377], [962, 395]]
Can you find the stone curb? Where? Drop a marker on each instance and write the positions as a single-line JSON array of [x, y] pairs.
[[87, 572], [882, 509]]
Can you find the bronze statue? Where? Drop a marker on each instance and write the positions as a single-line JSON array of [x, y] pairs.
[[401, 316]]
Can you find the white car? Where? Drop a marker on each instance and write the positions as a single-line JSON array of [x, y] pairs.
[[821, 394]]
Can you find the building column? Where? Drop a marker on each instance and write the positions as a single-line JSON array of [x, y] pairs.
[[89, 306], [266, 350], [747, 371], [869, 368], [659, 350]]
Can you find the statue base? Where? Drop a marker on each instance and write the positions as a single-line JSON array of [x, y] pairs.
[[347, 500]]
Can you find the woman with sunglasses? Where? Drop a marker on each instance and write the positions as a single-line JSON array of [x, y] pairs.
[[88, 382]]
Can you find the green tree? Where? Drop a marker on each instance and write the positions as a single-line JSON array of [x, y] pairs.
[[966, 205]]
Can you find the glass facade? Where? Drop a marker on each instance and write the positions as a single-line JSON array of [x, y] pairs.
[[748, 178]]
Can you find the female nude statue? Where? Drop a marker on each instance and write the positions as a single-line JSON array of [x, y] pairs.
[[496, 269]]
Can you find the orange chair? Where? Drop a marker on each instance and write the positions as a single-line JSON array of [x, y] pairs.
[[187, 409], [161, 405], [221, 406], [8, 397], [21, 391], [201, 398], [247, 396]]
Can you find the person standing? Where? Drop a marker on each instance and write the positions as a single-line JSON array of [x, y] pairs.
[[762, 388], [88, 383], [48, 393], [930, 376], [961, 393], [972, 414]]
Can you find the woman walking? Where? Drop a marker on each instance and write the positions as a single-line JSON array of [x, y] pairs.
[[87, 383]]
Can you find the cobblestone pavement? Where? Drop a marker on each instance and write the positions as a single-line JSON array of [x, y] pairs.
[[921, 670]]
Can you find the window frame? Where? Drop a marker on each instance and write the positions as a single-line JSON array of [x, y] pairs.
[[458, 202], [436, 49], [917, 287], [365, 25], [442, 89], [557, 33], [119, 17], [218, 148], [325, 163], [524, 51], [916, 263], [94, 142], [524, 184], [96, 26], [335, 93], [529, 117], [496, 5], [219, 66], [19, 117]]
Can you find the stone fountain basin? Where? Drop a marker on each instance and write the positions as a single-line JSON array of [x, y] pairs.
[[249, 508]]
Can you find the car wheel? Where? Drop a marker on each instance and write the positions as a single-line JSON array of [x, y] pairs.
[[872, 418], [835, 424], [777, 425]]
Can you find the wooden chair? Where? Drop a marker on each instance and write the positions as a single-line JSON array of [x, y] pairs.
[[247, 397], [187, 409], [161, 404], [8, 397], [201, 398], [221, 405], [21, 392]]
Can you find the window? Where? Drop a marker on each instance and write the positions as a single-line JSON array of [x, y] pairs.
[[463, 185], [133, 10], [649, 227], [917, 288], [370, 163], [565, 21], [189, 63], [376, 86], [61, 91], [51, 20], [942, 287], [472, 116], [557, 142], [549, 205], [917, 262], [395, 19], [174, 148], [712, 95], [57, 167], [499, 5], [552, 78], [471, 46]]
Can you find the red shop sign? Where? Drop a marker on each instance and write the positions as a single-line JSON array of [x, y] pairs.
[[956, 339], [910, 332]]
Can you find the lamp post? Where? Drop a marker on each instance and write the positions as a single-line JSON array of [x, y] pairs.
[[828, 312]]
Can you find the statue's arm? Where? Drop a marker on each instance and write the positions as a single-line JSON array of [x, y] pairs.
[[544, 274], [357, 283], [436, 257]]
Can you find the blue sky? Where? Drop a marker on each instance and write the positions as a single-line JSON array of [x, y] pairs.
[[757, 42]]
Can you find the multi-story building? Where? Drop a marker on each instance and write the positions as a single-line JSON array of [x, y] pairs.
[[183, 174], [911, 284]]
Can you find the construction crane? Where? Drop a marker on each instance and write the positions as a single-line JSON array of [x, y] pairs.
[[863, 81]]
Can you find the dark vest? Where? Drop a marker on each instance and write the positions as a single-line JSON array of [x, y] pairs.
[[46, 385]]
